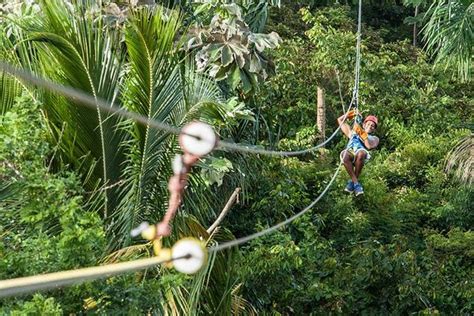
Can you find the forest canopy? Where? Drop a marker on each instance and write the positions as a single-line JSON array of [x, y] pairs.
[[269, 76]]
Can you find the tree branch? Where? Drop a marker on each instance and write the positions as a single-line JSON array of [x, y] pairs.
[[225, 210]]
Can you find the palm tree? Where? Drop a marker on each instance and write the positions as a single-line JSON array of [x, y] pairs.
[[130, 160], [448, 33]]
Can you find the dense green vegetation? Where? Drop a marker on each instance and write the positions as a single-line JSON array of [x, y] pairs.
[[75, 181]]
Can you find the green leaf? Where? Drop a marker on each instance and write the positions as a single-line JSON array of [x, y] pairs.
[[233, 9], [255, 65], [226, 56], [246, 81], [235, 78]]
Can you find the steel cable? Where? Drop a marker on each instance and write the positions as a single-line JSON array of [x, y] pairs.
[[269, 230], [98, 103], [53, 280]]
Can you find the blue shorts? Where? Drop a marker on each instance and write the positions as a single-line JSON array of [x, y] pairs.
[[354, 153], [354, 147]]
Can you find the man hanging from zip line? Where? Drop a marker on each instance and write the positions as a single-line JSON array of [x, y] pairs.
[[356, 153]]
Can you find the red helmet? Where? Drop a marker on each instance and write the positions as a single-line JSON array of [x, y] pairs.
[[372, 118]]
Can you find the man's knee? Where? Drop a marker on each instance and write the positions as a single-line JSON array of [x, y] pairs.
[[346, 157], [361, 155]]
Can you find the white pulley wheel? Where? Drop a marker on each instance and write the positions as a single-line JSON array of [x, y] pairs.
[[188, 247], [197, 138]]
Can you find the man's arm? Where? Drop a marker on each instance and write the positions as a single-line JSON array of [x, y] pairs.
[[345, 128], [371, 142]]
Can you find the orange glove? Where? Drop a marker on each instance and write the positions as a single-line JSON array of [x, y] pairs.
[[360, 131], [351, 114]]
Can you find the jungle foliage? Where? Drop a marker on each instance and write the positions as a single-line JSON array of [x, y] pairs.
[[74, 181]]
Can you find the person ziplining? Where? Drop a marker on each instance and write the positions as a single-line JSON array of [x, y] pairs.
[[356, 154]]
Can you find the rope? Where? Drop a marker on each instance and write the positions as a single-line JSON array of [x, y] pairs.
[[340, 91]]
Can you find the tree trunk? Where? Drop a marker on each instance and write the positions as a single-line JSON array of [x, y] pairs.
[[321, 115]]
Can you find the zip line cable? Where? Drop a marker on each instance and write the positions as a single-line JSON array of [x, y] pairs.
[[269, 230], [355, 96], [86, 99], [93, 103], [53, 280]]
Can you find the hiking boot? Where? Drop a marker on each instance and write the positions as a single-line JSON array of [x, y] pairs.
[[358, 190], [349, 187]]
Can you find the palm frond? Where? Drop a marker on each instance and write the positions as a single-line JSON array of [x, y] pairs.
[[9, 90], [460, 160], [10, 87], [449, 34], [153, 89], [79, 51], [241, 306], [203, 97]]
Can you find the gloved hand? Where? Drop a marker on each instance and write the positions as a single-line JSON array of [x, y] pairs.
[[360, 131], [351, 114]]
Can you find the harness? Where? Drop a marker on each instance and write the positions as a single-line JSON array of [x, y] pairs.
[[355, 145]]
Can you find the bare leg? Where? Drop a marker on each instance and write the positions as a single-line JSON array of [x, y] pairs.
[[359, 162], [347, 160]]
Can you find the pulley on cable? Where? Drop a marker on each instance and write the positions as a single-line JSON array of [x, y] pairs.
[[196, 140]]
